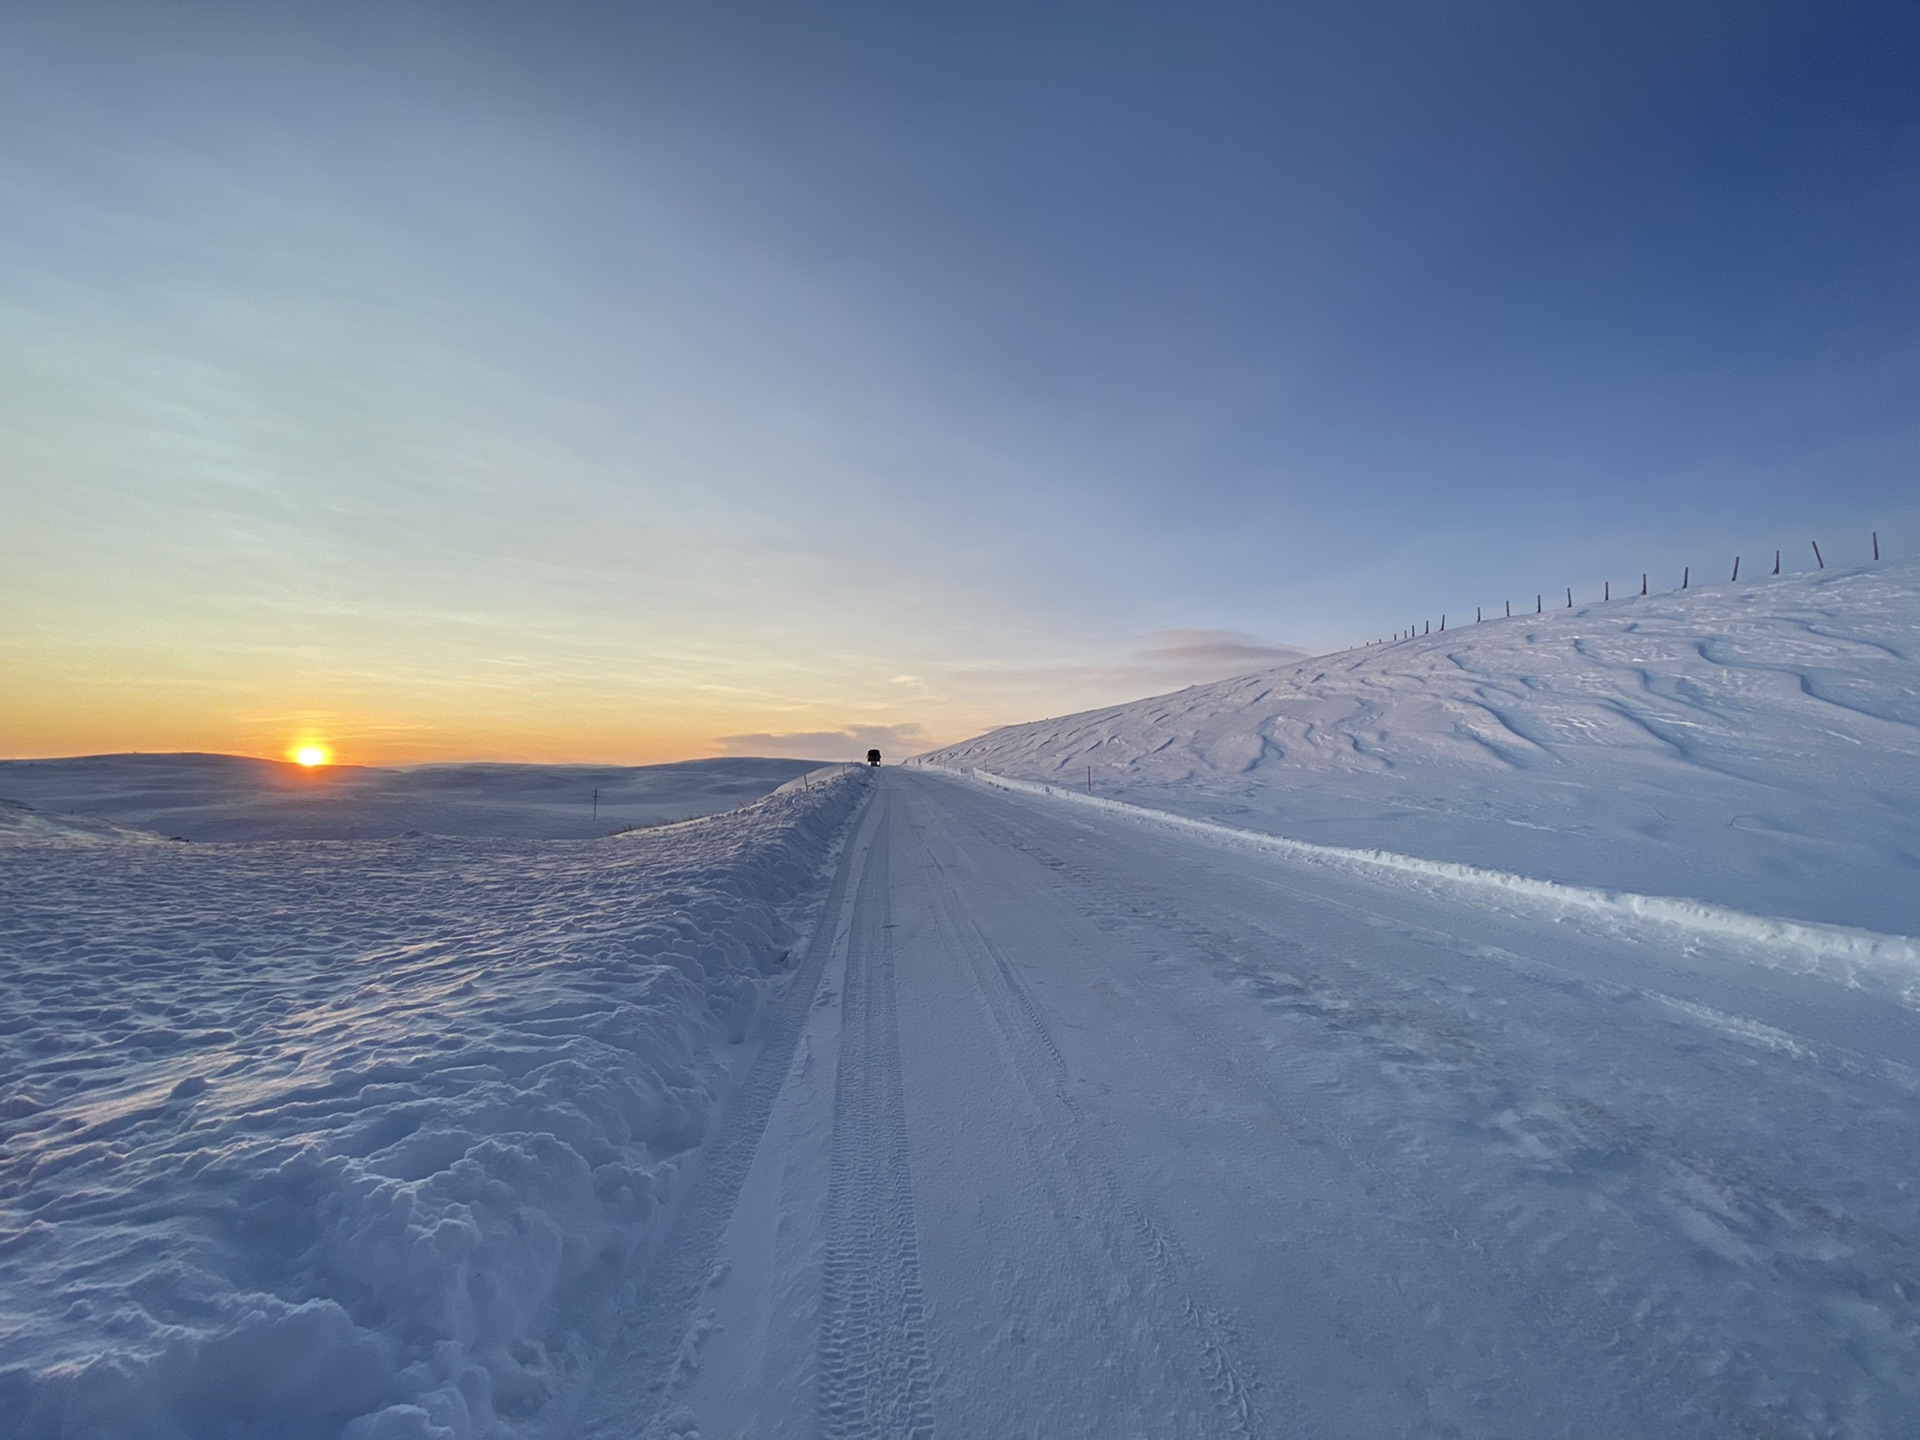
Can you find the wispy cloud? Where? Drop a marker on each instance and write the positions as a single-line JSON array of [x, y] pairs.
[[851, 743], [1231, 652]]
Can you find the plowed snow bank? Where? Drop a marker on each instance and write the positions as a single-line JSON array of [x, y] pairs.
[[1860, 958]]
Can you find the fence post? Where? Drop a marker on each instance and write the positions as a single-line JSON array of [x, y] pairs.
[[1606, 590], [1509, 609], [1776, 562], [1443, 622], [1736, 567], [1643, 582], [1686, 573], [1538, 607], [1476, 614], [1569, 597], [1876, 545], [1816, 555]]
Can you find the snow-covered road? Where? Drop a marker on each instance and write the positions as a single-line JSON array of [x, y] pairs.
[[1072, 1125]]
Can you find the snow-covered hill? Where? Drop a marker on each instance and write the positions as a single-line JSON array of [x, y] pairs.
[[1756, 746], [235, 797]]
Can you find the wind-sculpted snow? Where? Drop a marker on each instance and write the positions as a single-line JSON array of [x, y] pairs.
[[1753, 746], [311, 1139]]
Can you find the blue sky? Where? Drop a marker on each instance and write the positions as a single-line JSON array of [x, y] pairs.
[[638, 381]]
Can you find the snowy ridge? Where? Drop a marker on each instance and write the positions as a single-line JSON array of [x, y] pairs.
[[361, 1139], [1753, 746], [1850, 955]]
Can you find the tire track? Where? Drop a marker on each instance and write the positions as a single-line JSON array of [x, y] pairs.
[[876, 1372], [1217, 1348], [1361, 1029]]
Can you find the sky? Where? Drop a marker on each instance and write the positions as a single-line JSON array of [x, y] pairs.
[[634, 382]]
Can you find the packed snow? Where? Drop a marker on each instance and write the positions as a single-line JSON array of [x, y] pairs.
[[1101, 1125], [1751, 746], [312, 1139], [235, 797]]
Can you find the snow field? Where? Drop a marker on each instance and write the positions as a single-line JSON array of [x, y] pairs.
[[362, 1138], [237, 797]]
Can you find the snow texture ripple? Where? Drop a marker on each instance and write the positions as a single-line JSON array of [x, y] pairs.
[[312, 1139]]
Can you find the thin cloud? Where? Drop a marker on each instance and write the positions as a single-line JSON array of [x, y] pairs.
[[851, 743], [1212, 649]]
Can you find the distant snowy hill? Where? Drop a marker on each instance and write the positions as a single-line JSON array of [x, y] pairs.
[[235, 797], [1753, 745]]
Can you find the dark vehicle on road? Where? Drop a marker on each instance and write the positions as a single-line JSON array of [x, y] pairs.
[[873, 757]]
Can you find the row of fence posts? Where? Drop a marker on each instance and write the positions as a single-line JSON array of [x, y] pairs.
[[1606, 594]]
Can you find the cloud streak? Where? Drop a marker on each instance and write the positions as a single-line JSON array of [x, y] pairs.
[[1231, 651], [851, 743]]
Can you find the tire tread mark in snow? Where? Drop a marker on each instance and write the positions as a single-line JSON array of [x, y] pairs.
[[1232, 1394], [1555, 1310], [876, 1369], [646, 1355]]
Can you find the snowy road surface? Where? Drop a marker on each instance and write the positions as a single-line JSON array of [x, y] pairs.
[[1072, 1125]]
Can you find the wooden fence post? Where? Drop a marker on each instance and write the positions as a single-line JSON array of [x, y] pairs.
[[1686, 573], [1816, 555], [1736, 567]]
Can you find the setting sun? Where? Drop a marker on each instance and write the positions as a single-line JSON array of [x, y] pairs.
[[311, 755]]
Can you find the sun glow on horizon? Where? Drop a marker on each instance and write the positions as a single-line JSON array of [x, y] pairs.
[[310, 755]]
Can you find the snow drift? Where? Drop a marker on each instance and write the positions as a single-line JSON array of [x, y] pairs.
[[1751, 746], [312, 1139]]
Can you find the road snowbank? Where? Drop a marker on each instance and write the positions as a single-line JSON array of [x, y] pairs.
[[316, 1139], [1750, 746], [1859, 958]]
